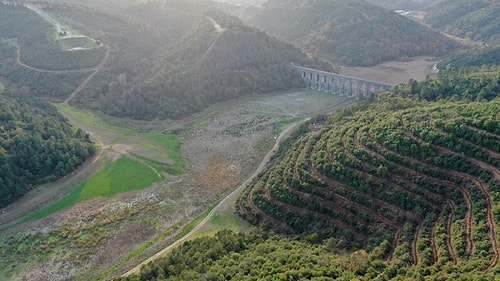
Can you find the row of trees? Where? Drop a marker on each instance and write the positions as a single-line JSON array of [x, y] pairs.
[[37, 145], [431, 166], [456, 83], [230, 256]]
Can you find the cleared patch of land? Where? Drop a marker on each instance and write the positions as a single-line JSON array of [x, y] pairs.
[[76, 43], [394, 72], [66, 38]]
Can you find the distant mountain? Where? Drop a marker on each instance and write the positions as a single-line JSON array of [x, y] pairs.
[[243, 2], [352, 32], [404, 4], [166, 58], [477, 19], [219, 58], [486, 56]]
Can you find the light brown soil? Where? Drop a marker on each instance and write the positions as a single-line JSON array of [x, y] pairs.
[[394, 72]]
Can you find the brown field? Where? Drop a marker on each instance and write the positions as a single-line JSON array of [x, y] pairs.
[[394, 72]]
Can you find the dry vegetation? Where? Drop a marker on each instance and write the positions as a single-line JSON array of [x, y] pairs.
[[222, 146]]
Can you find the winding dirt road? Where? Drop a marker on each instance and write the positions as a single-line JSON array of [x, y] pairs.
[[231, 197]]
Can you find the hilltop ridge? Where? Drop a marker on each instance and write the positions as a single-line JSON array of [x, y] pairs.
[[348, 32]]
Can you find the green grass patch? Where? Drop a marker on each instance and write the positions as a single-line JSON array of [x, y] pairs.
[[75, 43], [94, 120], [115, 177], [125, 174], [193, 224], [160, 150], [172, 147], [220, 221], [278, 127]]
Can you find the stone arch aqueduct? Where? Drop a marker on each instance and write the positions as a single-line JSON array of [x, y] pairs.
[[340, 84]]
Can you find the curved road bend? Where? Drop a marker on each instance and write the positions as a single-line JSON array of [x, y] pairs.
[[31, 203], [230, 196]]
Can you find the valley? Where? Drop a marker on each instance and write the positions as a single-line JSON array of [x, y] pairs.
[[196, 146]]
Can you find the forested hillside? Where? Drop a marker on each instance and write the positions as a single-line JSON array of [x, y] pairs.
[[481, 57], [48, 71], [37, 145], [476, 20], [219, 59], [168, 58], [404, 4], [35, 38], [349, 32], [230, 256], [404, 186]]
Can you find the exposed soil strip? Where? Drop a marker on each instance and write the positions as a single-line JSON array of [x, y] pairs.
[[341, 200], [467, 198], [87, 80], [486, 195], [449, 223], [414, 252], [435, 254], [432, 197], [338, 185], [298, 210], [394, 244]]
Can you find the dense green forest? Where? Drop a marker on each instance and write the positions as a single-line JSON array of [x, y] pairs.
[[476, 19], [230, 256], [37, 145], [404, 4], [349, 32], [402, 186]]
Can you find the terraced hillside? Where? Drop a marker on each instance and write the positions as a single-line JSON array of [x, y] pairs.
[[415, 182]]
